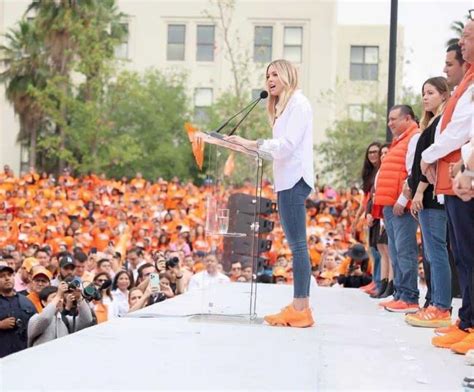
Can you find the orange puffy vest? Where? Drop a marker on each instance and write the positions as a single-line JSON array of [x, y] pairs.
[[444, 185], [393, 172]]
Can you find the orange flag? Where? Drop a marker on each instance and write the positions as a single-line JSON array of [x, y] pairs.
[[196, 143], [229, 165]]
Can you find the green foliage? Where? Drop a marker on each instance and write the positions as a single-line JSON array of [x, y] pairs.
[[346, 141], [342, 153], [151, 110], [94, 119]]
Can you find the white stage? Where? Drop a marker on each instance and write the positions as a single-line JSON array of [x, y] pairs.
[[354, 346]]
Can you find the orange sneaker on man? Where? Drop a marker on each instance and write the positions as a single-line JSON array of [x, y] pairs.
[[464, 345], [290, 317], [387, 302], [446, 341], [402, 307], [444, 330], [431, 317]]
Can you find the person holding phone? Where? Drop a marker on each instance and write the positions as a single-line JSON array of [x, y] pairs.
[[291, 117]]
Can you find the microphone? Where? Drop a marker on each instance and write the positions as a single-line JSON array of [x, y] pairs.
[[263, 94]]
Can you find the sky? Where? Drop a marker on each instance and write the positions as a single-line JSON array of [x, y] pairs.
[[426, 24]]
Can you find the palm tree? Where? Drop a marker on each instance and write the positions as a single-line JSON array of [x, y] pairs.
[[24, 69], [63, 24], [457, 27]]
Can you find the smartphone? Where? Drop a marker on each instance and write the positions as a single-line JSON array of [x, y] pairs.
[[154, 281]]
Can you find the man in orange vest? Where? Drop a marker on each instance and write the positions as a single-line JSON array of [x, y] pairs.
[[454, 132], [400, 225]]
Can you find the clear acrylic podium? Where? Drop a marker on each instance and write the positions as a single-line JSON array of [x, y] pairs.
[[233, 173]]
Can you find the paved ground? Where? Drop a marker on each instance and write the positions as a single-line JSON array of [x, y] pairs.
[[354, 346]]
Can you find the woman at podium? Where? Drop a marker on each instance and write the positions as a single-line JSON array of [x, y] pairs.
[[291, 147]]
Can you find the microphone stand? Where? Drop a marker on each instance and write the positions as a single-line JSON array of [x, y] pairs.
[[216, 132], [244, 117]]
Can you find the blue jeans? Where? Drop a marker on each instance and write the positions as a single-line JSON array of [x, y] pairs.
[[460, 223], [377, 268], [292, 210], [433, 228], [403, 250]]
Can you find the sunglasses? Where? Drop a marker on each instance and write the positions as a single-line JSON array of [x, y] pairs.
[[471, 14]]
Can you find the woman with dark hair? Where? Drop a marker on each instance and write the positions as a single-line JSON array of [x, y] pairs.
[[386, 270], [121, 285], [105, 308], [369, 171]]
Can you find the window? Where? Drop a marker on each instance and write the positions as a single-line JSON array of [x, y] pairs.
[[364, 63], [205, 43], [121, 50], [202, 102], [293, 44], [263, 44], [176, 42], [360, 113]]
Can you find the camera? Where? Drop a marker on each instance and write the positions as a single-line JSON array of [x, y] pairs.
[[171, 263], [72, 284], [91, 293], [19, 323]]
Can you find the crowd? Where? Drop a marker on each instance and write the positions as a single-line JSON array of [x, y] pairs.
[[76, 251]]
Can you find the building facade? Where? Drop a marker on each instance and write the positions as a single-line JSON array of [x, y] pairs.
[[187, 36]]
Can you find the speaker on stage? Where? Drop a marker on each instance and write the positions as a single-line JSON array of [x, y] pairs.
[[242, 220], [241, 202]]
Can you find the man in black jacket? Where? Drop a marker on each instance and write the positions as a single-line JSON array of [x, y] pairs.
[[15, 313]]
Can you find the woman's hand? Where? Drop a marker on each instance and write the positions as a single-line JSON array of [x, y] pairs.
[[417, 204], [250, 144]]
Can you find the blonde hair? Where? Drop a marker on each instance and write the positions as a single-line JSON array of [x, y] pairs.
[[288, 76], [441, 86]]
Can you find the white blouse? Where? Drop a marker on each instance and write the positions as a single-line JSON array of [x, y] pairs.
[[292, 144]]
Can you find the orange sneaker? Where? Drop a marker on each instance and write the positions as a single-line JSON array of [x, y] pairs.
[[464, 345], [445, 330], [431, 317], [449, 339], [368, 287], [290, 317], [384, 304], [402, 307]]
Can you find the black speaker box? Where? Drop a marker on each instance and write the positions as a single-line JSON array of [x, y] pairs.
[[241, 202]]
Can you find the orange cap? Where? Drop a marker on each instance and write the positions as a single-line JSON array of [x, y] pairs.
[[40, 270], [29, 263]]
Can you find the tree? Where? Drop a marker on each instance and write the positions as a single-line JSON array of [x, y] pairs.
[[25, 68], [78, 36], [343, 150], [146, 114], [457, 27]]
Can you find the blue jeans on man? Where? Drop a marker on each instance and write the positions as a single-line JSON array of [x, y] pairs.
[[403, 250], [460, 227]]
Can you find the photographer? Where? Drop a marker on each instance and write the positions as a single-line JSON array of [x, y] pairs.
[[15, 313], [354, 270], [175, 275], [64, 312], [139, 299], [66, 269]]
